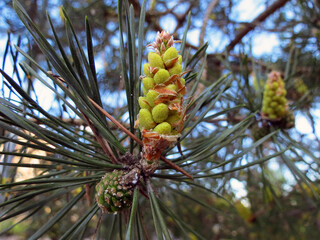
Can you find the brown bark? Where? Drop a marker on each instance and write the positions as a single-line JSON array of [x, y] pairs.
[[205, 21]]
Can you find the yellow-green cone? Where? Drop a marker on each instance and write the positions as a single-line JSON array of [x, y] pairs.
[[300, 90], [274, 105], [163, 88], [300, 86]]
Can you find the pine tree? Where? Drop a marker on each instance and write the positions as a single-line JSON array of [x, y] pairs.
[[162, 165]]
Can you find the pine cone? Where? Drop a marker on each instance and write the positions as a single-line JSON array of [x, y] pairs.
[[259, 132], [301, 90], [113, 194], [274, 105], [161, 114], [161, 107], [288, 121]]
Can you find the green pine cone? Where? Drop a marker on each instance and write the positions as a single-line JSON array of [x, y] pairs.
[[143, 103], [151, 97], [174, 118], [274, 104], [112, 195], [259, 132], [288, 121], [300, 86], [163, 92]]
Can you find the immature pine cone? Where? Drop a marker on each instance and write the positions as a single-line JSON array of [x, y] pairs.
[[274, 105], [112, 193], [259, 132], [301, 90], [288, 120], [162, 115]]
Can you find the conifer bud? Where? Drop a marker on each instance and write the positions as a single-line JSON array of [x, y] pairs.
[[162, 114], [300, 86], [151, 97], [274, 105], [176, 69], [169, 54], [300, 90], [288, 121], [257, 84], [143, 103]]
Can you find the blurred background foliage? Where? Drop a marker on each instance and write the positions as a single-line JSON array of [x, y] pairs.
[[246, 186]]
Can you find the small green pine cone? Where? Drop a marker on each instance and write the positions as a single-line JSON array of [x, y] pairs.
[[274, 104], [259, 132], [300, 86], [172, 87], [145, 91], [170, 57], [151, 97], [112, 195], [174, 119], [176, 69], [256, 83], [288, 121], [163, 88], [301, 91], [162, 123]]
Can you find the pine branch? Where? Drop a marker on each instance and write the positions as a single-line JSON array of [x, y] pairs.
[[205, 20], [135, 138], [258, 20]]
